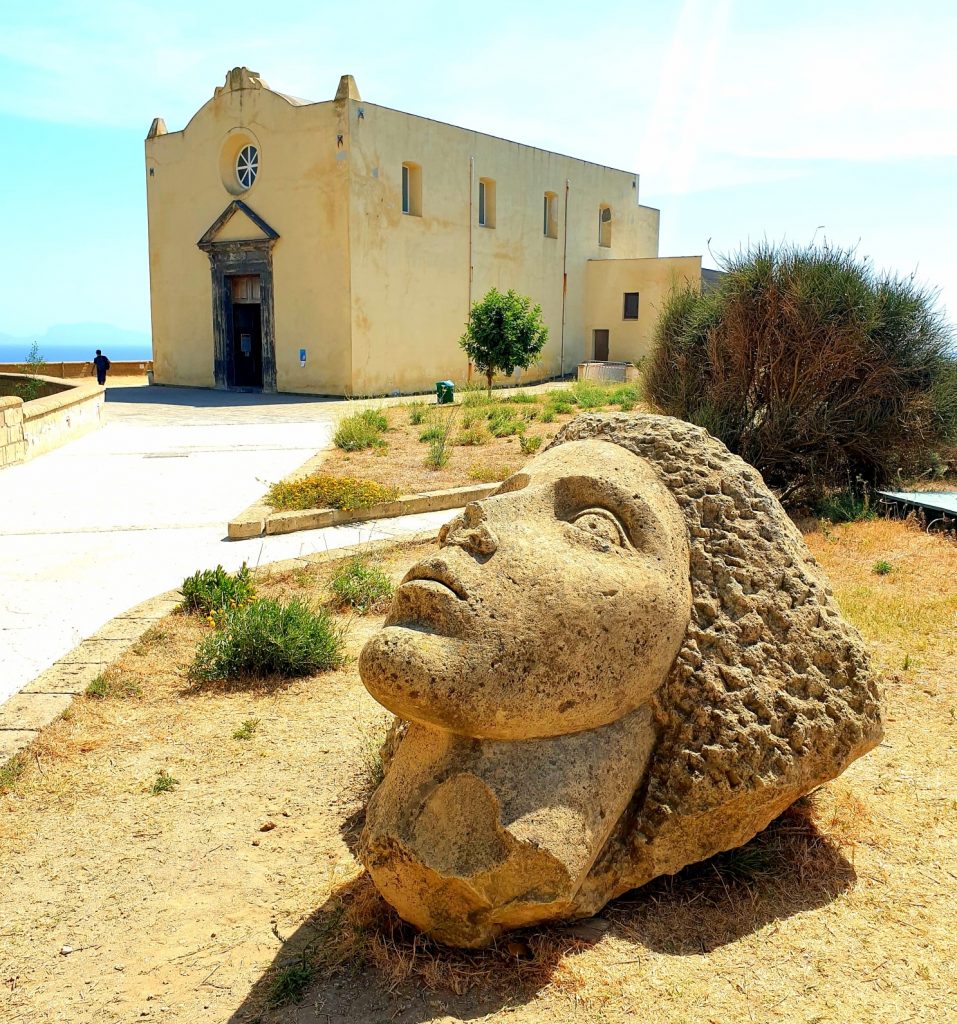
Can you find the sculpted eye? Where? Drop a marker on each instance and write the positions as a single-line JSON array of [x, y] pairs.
[[602, 525]]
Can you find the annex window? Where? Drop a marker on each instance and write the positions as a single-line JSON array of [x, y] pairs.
[[412, 189], [550, 217], [604, 226], [631, 306], [486, 203]]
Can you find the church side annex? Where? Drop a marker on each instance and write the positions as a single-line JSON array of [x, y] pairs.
[[336, 247]]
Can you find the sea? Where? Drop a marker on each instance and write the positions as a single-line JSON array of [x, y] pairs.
[[54, 353]]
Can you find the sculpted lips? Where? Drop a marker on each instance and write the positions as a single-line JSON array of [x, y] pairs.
[[429, 574], [432, 599]]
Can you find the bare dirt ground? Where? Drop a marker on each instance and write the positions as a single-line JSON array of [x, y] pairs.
[[177, 907]]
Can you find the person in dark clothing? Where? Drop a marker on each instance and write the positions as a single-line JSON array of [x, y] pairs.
[[100, 365]]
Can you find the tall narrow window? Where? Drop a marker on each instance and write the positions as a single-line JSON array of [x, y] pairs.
[[550, 218], [631, 306], [486, 203], [604, 226], [412, 189]]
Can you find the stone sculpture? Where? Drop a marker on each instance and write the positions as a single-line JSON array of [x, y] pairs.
[[623, 661]]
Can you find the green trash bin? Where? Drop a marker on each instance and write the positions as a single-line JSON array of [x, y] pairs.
[[444, 392]]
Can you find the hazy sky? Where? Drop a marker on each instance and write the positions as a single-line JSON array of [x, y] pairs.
[[745, 118]]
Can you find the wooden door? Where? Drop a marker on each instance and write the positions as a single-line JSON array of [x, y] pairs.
[[601, 345]]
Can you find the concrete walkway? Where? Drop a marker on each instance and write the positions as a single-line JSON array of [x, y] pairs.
[[130, 510]]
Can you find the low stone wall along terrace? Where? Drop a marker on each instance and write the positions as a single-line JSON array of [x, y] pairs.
[[67, 410]]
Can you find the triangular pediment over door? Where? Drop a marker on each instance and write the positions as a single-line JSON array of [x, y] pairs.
[[238, 223]]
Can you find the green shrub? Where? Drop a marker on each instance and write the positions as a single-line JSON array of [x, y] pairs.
[[432, 432], [472, 417], [560, 403], [547, 415], [474, 435], [418, 412], [626, 396], [812, 367], [360, 584], [589, 395], [530, 443], [847, 506], [269, 638], [440, 443], [210, 590], [502, 422], [322, 490], [522, 398], [882, 568], [361, 430], [439, 453]]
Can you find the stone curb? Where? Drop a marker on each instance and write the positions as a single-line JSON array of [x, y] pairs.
[[24, 715], [260, 519]]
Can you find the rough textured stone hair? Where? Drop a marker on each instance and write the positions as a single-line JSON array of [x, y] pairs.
[[771, 688]]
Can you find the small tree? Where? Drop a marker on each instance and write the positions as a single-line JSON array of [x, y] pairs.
[[504, 332], [812, 367], [30, 389]]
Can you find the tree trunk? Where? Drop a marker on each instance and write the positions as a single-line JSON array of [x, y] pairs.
[[488, 377]]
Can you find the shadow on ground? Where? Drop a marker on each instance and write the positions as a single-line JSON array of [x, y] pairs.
[[355, 960], [207, 398]]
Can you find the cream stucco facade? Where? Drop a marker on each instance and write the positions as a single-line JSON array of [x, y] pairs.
[[280, 229]]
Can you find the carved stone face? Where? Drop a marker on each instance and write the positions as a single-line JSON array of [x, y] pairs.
[[558, 604]]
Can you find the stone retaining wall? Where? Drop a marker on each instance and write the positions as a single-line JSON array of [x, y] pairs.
[[13, 448], [72, 370], [36, 427]]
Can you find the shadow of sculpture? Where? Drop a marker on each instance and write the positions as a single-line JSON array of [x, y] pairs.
[[365, 963]]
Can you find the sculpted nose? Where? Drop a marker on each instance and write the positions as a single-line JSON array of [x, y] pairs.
[[470, 531]]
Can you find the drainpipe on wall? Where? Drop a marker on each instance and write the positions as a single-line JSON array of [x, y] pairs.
[[468, 309], [564, 277]]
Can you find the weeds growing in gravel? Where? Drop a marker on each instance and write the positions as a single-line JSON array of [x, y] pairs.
[[247, 730], [163, 783], [361, 585]]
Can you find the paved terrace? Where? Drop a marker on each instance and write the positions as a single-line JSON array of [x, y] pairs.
[[126, 512]]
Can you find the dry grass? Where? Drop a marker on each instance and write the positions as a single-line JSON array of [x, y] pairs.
[[476, 453], [842, 910]]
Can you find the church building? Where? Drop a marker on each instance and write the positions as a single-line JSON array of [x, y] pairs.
[[337, 247]]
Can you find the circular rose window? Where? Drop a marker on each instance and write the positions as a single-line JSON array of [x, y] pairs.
[[247, 166]]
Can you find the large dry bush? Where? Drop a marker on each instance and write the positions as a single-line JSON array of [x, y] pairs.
[[818, 371]]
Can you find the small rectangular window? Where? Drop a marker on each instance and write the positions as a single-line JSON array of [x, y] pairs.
[[486, 210], [604, 226], [550, 219], [631, 306], [412, 189]]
